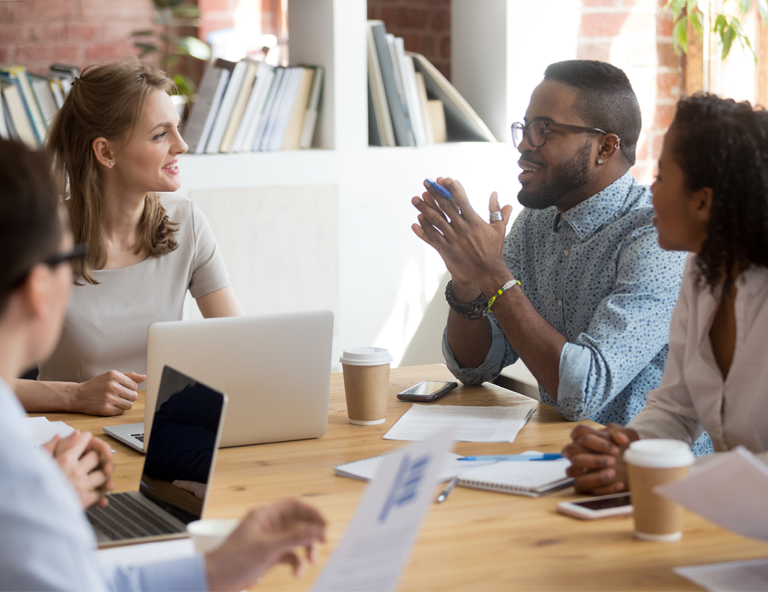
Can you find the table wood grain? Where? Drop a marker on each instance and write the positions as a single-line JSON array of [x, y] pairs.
[[475, 540]]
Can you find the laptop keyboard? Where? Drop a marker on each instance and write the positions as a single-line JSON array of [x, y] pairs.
[[139, 437], [126, 518]]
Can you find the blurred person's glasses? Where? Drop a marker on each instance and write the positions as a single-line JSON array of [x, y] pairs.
[[538, 130], [79, 251]]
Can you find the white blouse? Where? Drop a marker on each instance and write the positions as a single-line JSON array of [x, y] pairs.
[[693, 396], [106, 324]]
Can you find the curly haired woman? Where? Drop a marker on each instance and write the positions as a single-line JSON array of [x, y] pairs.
[[711, 198]]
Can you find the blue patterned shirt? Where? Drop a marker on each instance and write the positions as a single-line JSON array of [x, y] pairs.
[[597, 274]]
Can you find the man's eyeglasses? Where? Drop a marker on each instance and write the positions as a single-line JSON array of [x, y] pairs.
[[79, 251], [538, 130]]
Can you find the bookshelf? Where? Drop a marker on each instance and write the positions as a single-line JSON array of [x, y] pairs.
[[330, 227]]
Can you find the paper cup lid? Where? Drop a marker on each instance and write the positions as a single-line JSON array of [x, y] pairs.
[[365, 356], [659, 454]]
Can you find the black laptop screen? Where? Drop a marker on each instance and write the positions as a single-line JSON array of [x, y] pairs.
[[182, 445]]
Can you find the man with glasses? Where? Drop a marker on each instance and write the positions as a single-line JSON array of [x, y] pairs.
[[579, 289]]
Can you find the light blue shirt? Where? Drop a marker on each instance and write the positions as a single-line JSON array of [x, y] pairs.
[[596, 274], [46, 542]]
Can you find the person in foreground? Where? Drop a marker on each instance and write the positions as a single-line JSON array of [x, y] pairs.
[[580, 289], [711, 199], [117, 145], [46, 542]]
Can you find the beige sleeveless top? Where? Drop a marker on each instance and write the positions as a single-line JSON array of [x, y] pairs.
[[106, 324]]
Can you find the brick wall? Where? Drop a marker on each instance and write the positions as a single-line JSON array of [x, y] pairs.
[[36, 33], [424, 25], [636, 36]]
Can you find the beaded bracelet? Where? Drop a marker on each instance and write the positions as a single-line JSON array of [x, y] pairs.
[[501, 290], [474, 311]]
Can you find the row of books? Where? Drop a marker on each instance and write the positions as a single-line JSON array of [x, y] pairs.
[[28, 101], [410, 103], [252, 106]]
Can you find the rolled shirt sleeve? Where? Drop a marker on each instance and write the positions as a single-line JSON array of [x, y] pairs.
[[500, 355]]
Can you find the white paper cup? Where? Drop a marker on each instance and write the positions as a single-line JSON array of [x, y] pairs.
[[209, 534], [651, 463], [366, 384]]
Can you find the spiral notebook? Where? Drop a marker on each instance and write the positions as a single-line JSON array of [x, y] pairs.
[[530, 478]]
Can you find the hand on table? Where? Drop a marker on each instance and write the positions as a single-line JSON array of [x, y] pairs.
[[86, 463], [597, 463], [471, 247], [110, 393], [267, 536]]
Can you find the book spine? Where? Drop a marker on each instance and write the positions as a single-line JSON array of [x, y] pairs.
[[390, 85]]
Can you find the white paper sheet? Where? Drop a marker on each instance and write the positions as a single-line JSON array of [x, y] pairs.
[[374, 550], [730, 491], [41, 430], [473, 424], [736, 576], [144, 553]]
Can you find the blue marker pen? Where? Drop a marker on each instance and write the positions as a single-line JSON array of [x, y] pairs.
[[439, 188]]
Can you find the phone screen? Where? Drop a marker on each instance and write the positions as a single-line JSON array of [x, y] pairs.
[[425, 388], [604, 504]]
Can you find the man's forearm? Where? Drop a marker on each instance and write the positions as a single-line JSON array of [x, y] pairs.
[[469, 340], [534, 340]]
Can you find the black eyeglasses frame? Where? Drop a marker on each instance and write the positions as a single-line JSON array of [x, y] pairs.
[[526, 131], [79, 251]]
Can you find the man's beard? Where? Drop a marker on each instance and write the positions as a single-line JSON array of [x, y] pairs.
[[566, 178]]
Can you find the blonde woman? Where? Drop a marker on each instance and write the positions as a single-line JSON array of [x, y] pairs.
[[117, 145]]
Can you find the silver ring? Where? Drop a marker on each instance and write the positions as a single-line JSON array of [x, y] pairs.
[[496, 217]]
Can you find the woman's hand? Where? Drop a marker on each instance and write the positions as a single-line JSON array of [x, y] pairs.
[[597, 463], [86, 463], [267, 536], [110, 393]]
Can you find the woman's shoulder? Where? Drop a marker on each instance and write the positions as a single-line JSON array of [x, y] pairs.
[[178, 208]]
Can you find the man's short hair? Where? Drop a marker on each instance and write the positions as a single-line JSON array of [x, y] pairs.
[[30, 226], [604, 99]]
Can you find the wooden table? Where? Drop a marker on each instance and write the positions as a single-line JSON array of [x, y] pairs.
[[475, 540]]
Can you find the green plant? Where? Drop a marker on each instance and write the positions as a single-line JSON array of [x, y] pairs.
[[727, 28], [165, 41]]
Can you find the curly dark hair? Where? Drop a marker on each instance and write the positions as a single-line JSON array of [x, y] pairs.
[[723, 145]]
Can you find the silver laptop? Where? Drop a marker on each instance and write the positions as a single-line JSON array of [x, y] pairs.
[[275, 369], [174, 486]]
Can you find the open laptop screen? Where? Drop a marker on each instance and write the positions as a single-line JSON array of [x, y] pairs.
[[182, 445]]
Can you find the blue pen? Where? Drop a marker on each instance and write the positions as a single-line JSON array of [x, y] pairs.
[[547, 456], [439, 188]]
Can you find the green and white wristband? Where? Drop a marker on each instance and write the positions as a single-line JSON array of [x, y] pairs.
[[501, 290]]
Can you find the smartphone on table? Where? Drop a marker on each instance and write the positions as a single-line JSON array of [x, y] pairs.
[[426, 391], [603, 506]]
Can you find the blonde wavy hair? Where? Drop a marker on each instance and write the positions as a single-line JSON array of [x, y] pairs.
[[106, 101]]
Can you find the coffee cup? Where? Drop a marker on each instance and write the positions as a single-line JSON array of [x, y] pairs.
[[207, 535], [366, 384], [651, 463]]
